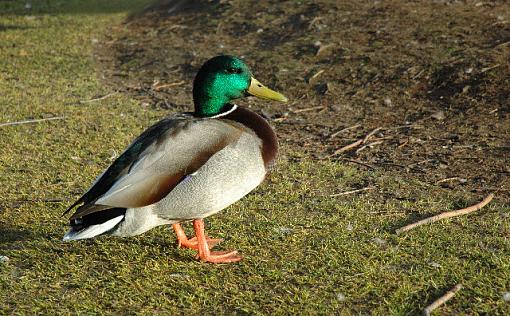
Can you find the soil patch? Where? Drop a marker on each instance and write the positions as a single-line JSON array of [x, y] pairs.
[[432, 77]]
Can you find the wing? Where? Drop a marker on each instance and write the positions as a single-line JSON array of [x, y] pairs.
[[156, 162]]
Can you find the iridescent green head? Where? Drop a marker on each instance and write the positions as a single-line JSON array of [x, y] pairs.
[[225, 78]]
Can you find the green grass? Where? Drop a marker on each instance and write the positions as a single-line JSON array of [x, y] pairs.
[[303, 248]]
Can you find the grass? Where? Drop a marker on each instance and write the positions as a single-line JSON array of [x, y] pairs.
[[305, 251]]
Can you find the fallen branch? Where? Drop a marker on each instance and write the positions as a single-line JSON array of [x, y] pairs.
[[447, 179], [309, 109], [435, 218], [32, 121], [443, 299], [369, 146], [351, 192], [98, 99], [489, 68], [348, 147], [356, 143], [343, 130], [168, 85], [359, 163], [370, 135]]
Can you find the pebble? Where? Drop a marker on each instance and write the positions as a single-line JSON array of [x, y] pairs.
[[379, 241], [439, 115], [340, 297], [284, 230], [434, 264], [4, 259], [506, 297], [179, 275]]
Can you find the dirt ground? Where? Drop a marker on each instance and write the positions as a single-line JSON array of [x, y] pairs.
[[432, 78]]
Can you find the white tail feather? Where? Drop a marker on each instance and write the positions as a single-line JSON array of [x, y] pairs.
[[92, 230]]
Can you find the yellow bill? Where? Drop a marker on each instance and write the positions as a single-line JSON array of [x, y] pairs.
[[260, 91]]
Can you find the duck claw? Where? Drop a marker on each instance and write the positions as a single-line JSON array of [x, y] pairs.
[[221, 257], [193, 243]]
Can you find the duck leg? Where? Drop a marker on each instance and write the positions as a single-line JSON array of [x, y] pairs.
[[204, 254], [184, 242]]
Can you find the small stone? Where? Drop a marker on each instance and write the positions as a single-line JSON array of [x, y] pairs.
[[379, 241], [439, 115], [506, 297], [434, 264], [260, 30], [340, 297], [267, 115], [113, 154], [179, 275], [388, 102], [321, 88], [4, 259], [466, 89], [349, 227], [325, 50], [283, 230], [469, 70]]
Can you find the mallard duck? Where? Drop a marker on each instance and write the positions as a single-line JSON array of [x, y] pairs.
[[187, 166]]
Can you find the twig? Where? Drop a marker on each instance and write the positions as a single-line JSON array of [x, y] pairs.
[[400, 166], [359, 162], [32, 121], [419, 163], [435, 218], [370, 134], [447, 179], [98, 99], [348, 147], [502, 44], [403, 144], [309, 109], [356, 143], [489, 68], [343, 130], [317, 74], [351, 192], [368, 145], [443, 299], [168, 85], [50, 200]]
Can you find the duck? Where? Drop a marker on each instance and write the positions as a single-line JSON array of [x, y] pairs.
[[186, 167]]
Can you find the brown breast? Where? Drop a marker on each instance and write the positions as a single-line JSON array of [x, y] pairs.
[[262, 129]]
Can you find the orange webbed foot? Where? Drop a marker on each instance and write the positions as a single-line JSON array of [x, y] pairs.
[[193, 243], [221, 257], [204, 254], [184, 242]]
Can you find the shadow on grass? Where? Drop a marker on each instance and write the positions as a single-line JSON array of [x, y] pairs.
[[4, 27], [8, 235], [55, 7]]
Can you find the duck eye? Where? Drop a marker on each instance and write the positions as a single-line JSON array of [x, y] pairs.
[[233, 70]]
